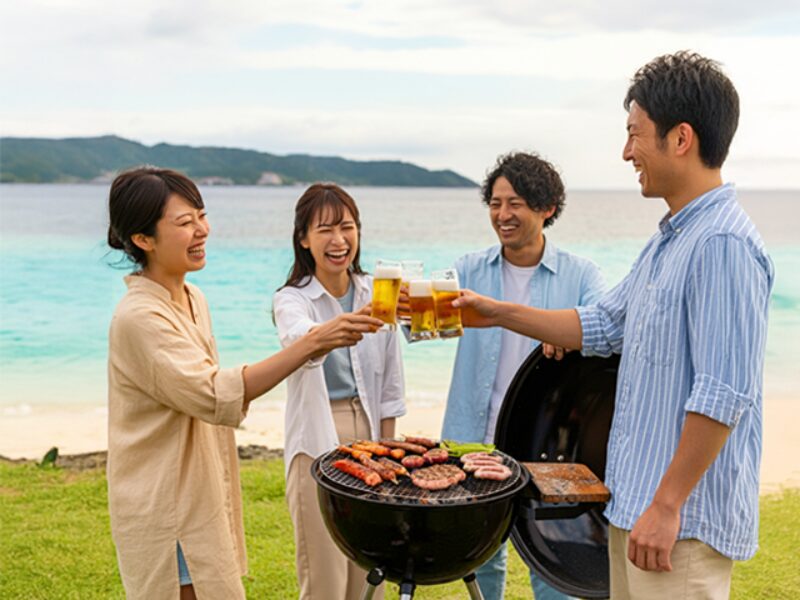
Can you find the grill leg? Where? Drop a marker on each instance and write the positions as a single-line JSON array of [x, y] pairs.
[[472, 587], [374, 579], [407, 590]]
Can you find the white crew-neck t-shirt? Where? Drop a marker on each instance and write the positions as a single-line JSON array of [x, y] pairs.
[[514, 348]]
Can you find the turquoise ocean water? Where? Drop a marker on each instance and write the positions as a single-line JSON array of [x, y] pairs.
[[58, 287]]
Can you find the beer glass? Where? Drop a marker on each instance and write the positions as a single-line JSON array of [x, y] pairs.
[[411, 269], [386, 291], [423, 311], [445, 290]]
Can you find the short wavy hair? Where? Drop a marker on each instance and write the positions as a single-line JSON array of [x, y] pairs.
[[686, 87], [533, 179]]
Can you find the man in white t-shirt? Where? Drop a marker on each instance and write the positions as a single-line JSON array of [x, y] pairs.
[[525, 195]]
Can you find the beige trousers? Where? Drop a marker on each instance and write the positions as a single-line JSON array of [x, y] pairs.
[[698, 572], [323, 572]]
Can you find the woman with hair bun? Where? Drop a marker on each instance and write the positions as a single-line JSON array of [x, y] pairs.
[[173, 478]]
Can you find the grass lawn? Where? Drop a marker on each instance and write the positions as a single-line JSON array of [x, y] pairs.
[[55, 541]]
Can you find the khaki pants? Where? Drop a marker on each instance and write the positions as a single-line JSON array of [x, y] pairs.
[[323, 572], [698, 572]]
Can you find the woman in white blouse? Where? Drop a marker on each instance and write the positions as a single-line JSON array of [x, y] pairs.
[[349, 394], [173, 480]]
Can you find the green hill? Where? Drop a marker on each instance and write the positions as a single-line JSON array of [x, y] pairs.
[[40, 160]]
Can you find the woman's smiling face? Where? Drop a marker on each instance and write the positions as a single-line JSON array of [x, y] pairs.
[[332, 245]]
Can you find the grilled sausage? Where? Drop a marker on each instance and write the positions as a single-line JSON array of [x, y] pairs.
[[363, 473], [498, 473], [385, 472], [436, 456], [483, 455], [427, 442], [407, 446], [413, 461], [473, 465], [374, 447], [394, 466], [354, 453], [397, 453]]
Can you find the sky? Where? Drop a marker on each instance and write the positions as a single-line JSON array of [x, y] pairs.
[[445, 84]]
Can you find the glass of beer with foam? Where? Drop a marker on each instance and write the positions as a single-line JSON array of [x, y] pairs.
[[445, 290], [423, 310], [386, 291], [411, 269]]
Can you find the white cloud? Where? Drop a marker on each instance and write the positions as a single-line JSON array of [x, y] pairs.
[[151, 71]]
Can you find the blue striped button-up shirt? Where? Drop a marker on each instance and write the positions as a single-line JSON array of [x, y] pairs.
[[690, 320], [563, 280]]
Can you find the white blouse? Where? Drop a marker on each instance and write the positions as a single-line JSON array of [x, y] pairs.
[[377, 366]]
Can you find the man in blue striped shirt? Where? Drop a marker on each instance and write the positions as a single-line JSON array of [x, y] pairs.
[[690, 321]]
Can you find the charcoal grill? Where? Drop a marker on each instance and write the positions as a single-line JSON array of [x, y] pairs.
[[413, 536]]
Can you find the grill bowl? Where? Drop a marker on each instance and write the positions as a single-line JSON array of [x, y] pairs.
[[428, 543]]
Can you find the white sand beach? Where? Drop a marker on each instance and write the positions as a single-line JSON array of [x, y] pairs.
[[31, 431]]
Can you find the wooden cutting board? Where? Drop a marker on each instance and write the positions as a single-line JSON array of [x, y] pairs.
[[567, 482]]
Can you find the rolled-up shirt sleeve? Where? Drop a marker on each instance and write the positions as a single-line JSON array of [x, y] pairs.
[[726, 297], [293, 320], [178, 373], [603, 324]]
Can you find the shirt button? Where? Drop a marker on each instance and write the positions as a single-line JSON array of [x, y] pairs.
[[483, 413], [493, 359]]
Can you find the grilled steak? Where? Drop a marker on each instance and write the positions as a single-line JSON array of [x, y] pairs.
[[436, 456], [437, 477]]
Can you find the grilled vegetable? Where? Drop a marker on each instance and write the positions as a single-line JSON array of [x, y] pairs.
[[461, 448]]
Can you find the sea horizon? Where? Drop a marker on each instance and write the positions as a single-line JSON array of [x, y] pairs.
[[58, 289]]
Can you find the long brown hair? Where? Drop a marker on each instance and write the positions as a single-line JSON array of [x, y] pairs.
[[315, 199]]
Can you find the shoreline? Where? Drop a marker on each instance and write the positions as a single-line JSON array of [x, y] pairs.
[[80, 429]]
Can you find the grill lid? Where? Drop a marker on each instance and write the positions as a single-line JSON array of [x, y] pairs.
[[560, 411], [407, 494]]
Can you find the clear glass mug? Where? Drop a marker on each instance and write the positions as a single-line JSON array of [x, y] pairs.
[[386, 292], [423, 310], [411, 269], [445, 290]]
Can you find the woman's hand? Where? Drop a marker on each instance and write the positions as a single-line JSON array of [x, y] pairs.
[[477, 310], [346, 329]]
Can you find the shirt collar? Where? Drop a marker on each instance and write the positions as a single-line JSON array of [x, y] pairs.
[[548, 260], [676, 223], [315, 289]]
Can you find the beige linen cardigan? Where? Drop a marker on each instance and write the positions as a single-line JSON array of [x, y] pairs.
[[173, 473]]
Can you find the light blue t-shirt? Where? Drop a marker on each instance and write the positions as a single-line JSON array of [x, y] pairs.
[[339, 378]]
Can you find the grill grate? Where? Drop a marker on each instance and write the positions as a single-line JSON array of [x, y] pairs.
[[406, 493]]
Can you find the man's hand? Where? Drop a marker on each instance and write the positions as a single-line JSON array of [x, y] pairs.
[[652, 538], [476, 310], [551, 351]]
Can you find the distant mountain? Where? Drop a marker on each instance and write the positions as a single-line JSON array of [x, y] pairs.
[[39, 160]]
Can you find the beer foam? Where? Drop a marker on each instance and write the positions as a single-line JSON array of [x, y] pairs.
[[388, 272], [419, 288], [445, 285]]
